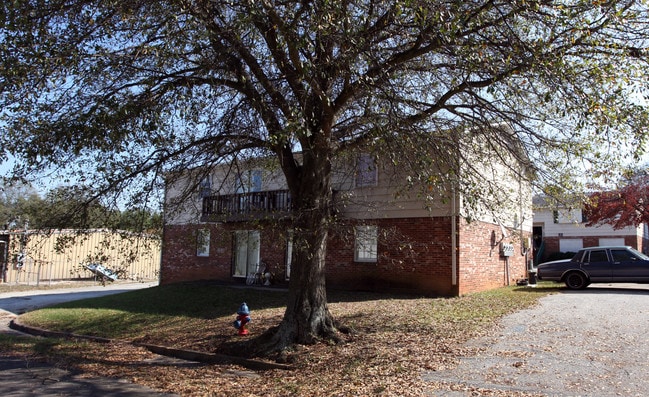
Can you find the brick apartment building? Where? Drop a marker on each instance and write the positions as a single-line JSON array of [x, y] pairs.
[[384, 241]]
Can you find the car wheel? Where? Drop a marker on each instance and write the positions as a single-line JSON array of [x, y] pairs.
[[576, 280]]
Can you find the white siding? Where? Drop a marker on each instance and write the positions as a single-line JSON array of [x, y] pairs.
[[510, 199], [545, 217]]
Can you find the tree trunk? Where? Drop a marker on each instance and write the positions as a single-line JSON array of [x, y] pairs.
[[307, 318]]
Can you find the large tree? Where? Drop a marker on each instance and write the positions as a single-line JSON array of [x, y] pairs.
[[122, 92], [19, 204]]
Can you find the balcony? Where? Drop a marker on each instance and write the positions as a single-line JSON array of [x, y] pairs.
[[246, 206]]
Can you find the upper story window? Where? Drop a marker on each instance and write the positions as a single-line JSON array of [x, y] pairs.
[[568, 216], [250, 181], [205, 187], [366, 171]]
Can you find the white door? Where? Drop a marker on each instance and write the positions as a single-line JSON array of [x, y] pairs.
[[570, 244], [246, 252], [613, 241]]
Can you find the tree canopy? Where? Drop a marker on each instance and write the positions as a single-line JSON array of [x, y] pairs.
[[68, 208], [117, 94], [622, 207]]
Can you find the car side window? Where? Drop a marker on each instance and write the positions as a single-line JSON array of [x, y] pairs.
[[598, 256], [622, 255]]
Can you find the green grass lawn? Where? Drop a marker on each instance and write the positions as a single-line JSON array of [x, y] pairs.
[[137, 313]]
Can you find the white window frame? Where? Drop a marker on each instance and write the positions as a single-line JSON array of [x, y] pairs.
[[250, 181], [366, 243], [565, 215], [246, 255], [203, 242]]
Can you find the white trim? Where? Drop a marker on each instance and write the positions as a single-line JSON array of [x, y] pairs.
[[365, 243]]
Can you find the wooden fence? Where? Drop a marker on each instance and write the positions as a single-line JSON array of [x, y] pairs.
[[32, 257]]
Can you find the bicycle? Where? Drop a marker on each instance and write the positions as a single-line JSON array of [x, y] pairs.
[[263, 277], [254, 278]]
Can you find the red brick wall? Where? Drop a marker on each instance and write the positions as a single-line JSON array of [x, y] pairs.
[[481, 266], [180, 262], [415, 256]]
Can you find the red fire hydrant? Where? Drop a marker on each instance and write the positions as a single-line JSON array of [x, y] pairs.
[[243, 318]]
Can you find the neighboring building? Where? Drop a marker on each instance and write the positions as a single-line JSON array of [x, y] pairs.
[[388, 239], [32, 256], [559, 230]]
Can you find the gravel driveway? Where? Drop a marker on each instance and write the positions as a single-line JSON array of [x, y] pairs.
[[584, 343]]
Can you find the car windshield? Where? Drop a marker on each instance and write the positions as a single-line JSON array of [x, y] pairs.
[[578, 256], [639, 254]]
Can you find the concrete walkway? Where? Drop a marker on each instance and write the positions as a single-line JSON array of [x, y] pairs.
[[576, 343]]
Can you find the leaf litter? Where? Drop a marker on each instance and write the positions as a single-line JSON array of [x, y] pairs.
[[392, 342]]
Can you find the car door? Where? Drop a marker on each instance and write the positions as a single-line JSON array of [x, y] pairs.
[[628, 267], [598, 266]]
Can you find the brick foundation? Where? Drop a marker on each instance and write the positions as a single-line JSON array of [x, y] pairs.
[[414, 256]]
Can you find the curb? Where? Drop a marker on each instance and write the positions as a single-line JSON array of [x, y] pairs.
[[188, 355]]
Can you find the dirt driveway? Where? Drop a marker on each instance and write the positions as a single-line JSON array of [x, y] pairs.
[[593, 342]]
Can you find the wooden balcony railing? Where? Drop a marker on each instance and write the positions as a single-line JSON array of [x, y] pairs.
[[247, 205]]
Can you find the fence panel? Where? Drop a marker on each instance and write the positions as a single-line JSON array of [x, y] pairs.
[[34, 257]]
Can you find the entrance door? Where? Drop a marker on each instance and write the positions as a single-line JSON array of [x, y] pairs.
[[537, 244], [246, 252]]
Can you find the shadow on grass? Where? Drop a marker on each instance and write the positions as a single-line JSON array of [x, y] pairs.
[[541, 290], [198, 300], [209, 300]]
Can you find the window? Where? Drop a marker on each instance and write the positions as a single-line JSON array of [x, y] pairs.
[[205, 188], [246, 252], [366, 244], [598, 256], [366, 171], [565, 215], [249, 181], [622, 255], [203, 242]]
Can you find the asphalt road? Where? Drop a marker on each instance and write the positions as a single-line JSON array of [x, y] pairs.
[[23, 301]]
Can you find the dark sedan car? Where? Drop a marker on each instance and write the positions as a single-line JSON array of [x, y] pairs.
[[598, 265]]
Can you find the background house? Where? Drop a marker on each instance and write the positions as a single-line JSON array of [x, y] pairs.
[[560, 229], [389, 237]]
